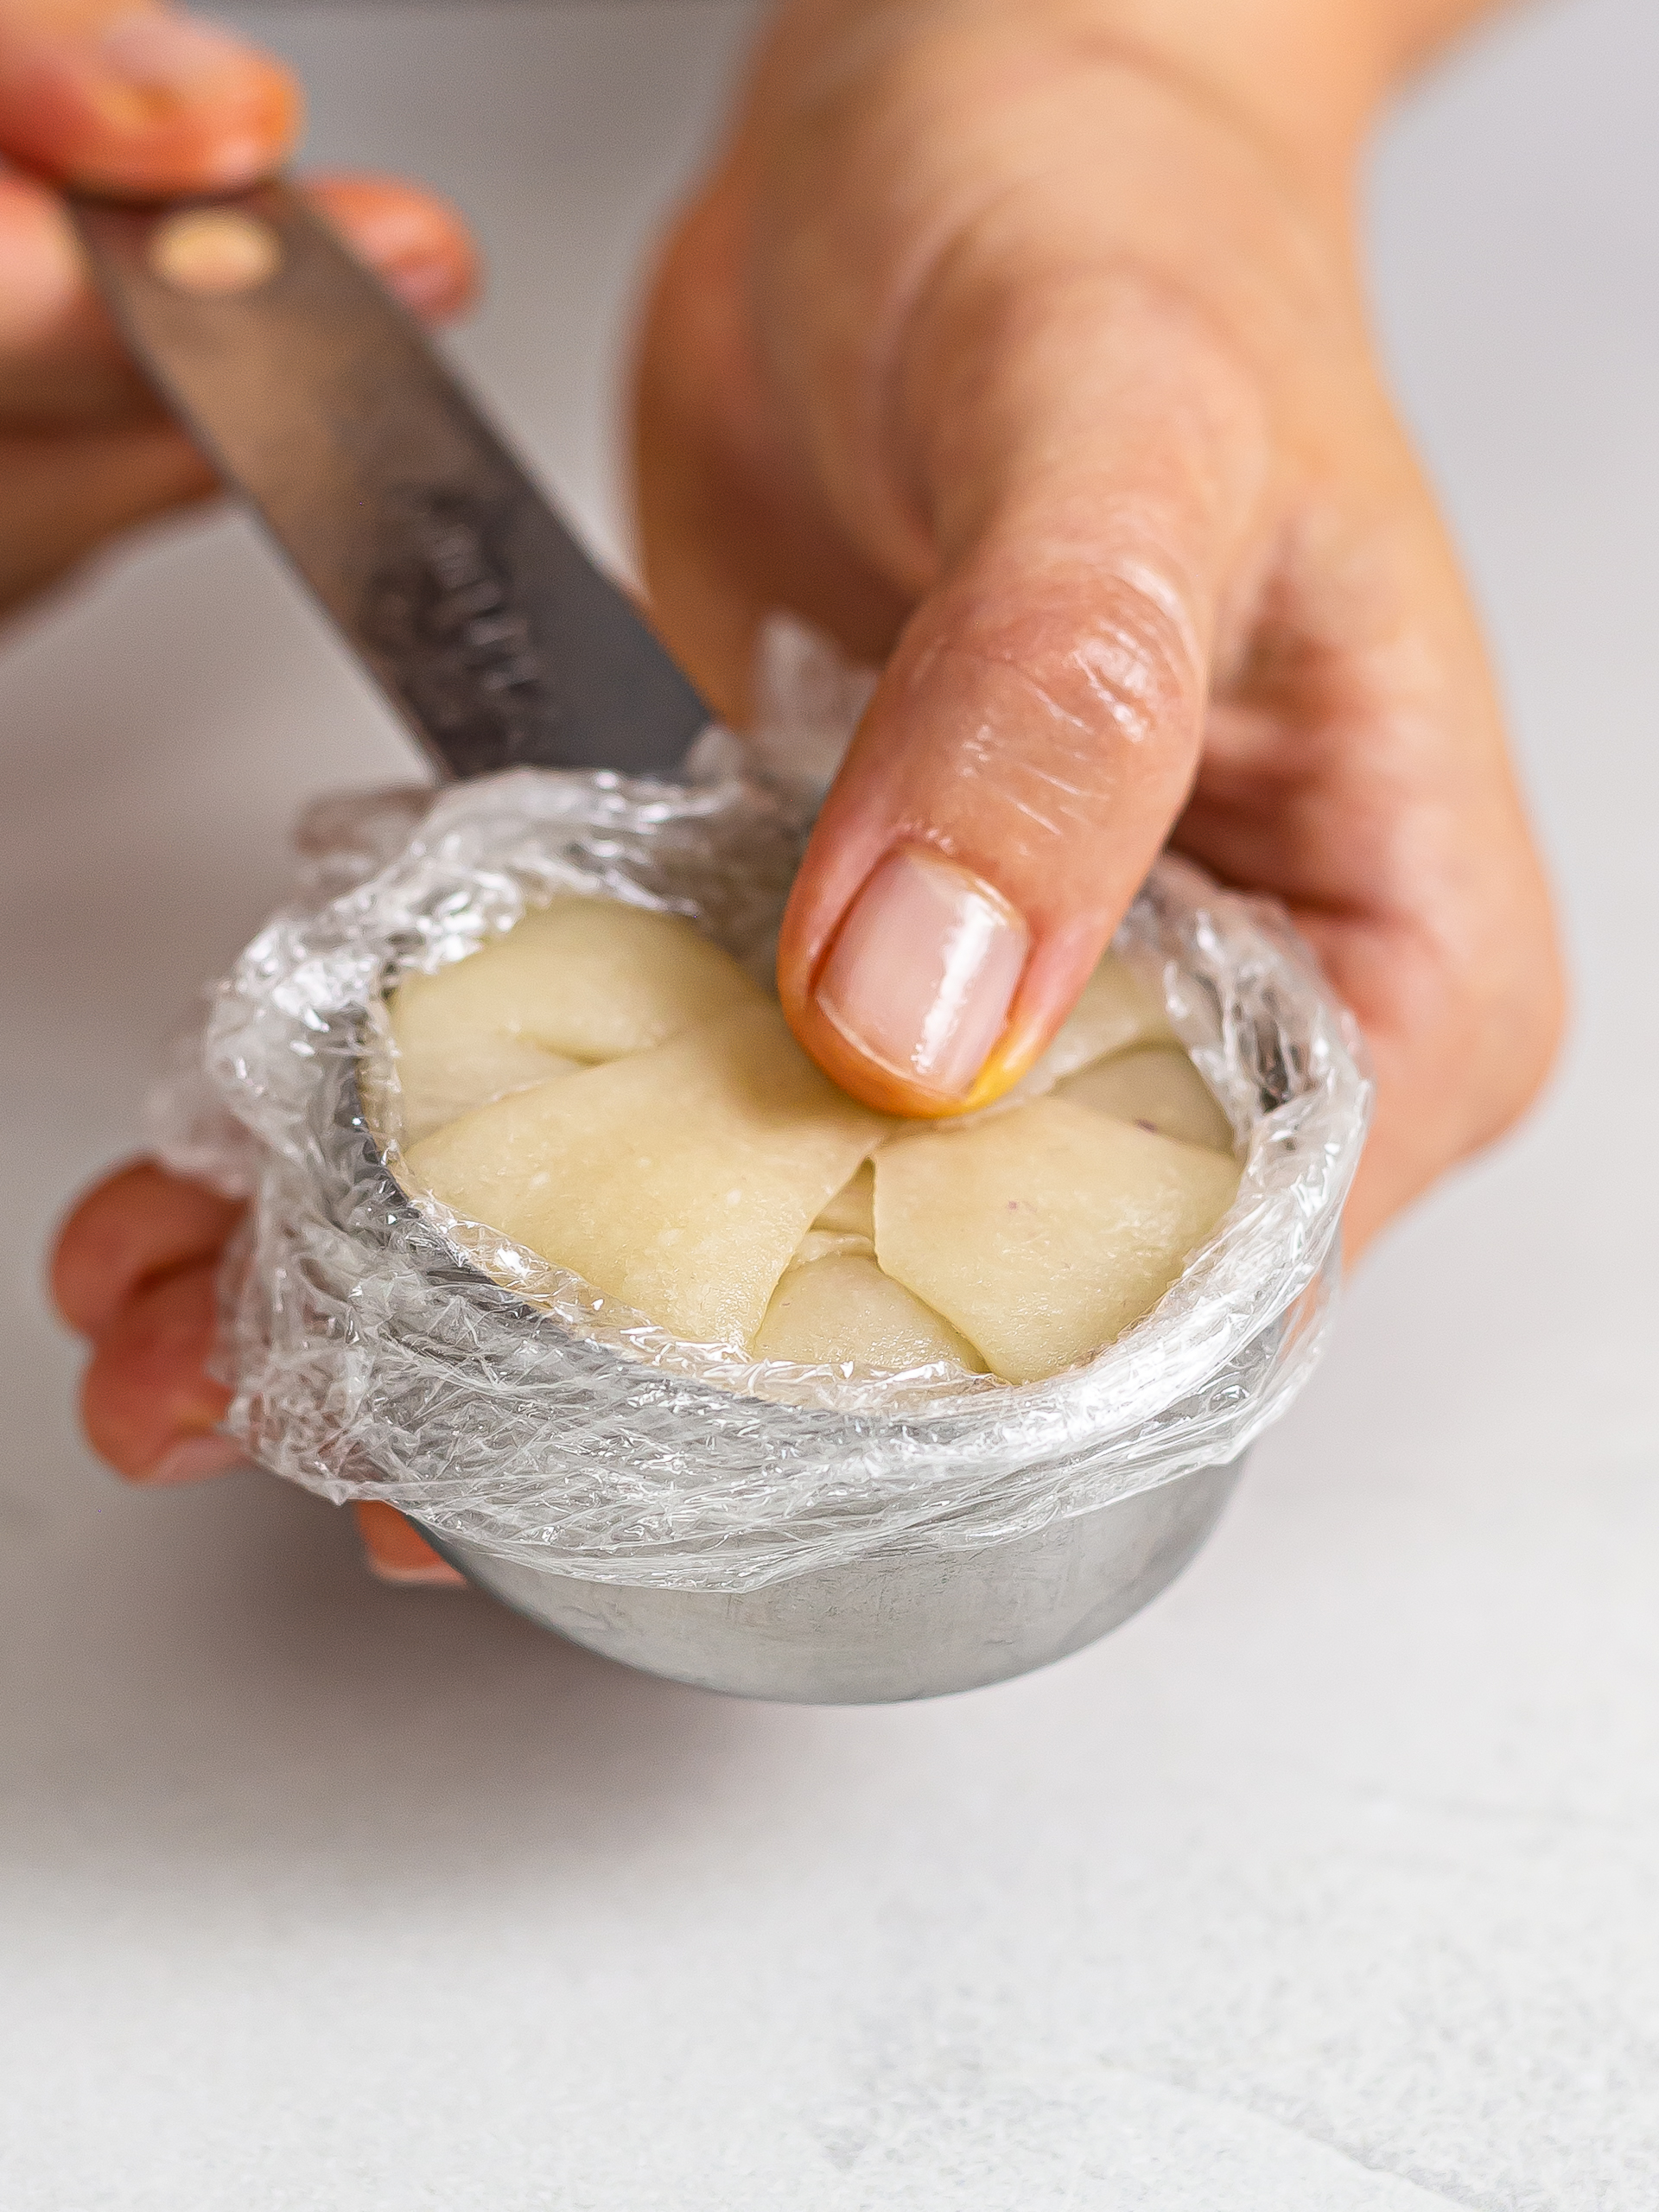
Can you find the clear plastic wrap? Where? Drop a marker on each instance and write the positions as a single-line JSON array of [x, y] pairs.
[[381, 1348]]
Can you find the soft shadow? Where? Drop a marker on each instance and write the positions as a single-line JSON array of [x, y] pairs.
[[221, 1684]]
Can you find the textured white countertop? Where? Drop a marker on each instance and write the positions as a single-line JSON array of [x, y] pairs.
[[1329, 1885]]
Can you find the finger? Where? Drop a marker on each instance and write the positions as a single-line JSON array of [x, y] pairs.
[[140, 1222], [1372, 791], [62, 494], [138, 99], [416, 243], [1090, 465], [90, 454], [397, 1551], [731, 524], [148, 1405], [61, 363]]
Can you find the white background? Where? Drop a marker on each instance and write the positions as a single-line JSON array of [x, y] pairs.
[[1330, 1884]]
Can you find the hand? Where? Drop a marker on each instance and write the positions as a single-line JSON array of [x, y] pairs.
[[136, 98], [136, 1271], [1023, 349], [1025, 346]]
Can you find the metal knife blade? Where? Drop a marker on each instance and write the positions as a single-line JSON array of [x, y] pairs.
[[490, 629]]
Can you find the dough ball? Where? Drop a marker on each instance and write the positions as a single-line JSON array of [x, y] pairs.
[[1159, 1089], [678, 1180], [582, 980], [841, 1309], [1042, 1233], [852, 1211]]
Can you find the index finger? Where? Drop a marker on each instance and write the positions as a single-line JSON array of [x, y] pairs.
[[138, 99]]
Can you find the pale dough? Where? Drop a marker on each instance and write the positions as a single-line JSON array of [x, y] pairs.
[[578, 981], [840, 1308], [442, 1075], [705, 1173], [819, 1243], [679, 1180], [1159, 1089], [1117, 1011], [1042, 1233], [852, 1211]]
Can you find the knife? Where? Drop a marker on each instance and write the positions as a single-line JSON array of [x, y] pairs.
[[492, 632]]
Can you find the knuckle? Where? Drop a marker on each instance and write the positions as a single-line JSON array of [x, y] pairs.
[[1061, 712], [1110, 660]]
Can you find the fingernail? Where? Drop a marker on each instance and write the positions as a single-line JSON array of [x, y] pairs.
[[158, 102], [395, 1551], [415, 247], [435, 1573], [158, 53], [924, 969], [425, 287], [194, 1457]]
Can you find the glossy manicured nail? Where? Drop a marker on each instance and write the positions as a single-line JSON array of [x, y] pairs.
[[922, 973], [192, 1459]]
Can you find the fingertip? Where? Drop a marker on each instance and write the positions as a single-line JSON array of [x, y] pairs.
[[395, 1551], [413, 239], [152, 102], [147, 1390], [195, 1458], [934, 1001], [916, 989], [1015, 775]]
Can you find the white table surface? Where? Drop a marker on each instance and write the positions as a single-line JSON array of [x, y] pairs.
[[1329, 1885]]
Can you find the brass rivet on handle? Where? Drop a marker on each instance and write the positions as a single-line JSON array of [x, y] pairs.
[[215, 252]]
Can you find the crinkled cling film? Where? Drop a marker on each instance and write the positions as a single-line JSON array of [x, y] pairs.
[[381, 1347]]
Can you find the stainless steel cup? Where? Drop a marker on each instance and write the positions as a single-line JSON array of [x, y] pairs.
[[891, 1625]]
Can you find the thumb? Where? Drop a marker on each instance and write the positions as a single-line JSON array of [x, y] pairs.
[[1090, 487], [127, 97]]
